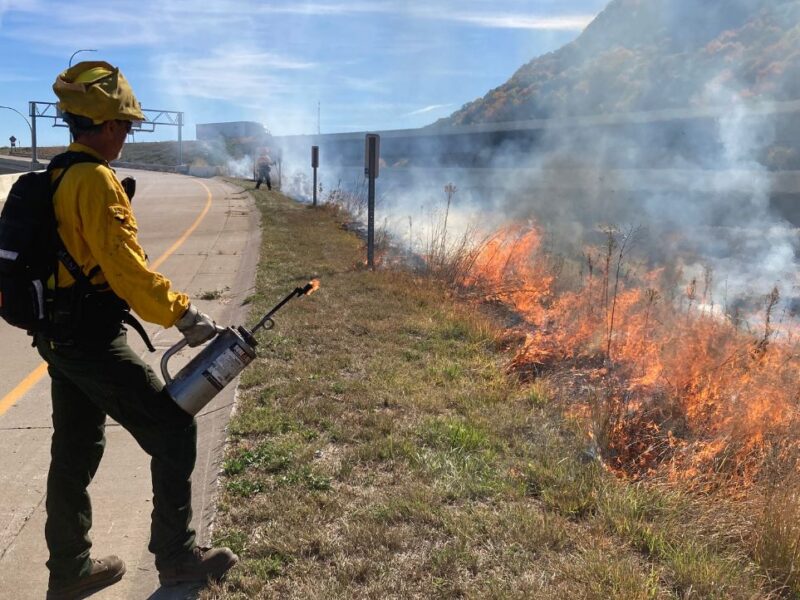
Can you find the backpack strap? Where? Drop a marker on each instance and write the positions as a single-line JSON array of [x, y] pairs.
[[65, 161], [71, 157], [129, 319]]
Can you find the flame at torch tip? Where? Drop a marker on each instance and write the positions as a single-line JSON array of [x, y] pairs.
[[314, 283]]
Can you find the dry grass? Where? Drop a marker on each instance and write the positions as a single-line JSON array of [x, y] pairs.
[[381, 450], [777, 537]]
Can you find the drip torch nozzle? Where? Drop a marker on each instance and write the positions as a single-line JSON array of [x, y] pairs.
[[311, 287]]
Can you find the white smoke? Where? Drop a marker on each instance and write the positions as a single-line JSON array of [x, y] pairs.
[[240, 167], [691, 174]]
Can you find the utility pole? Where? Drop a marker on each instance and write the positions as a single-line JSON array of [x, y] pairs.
[[34, 162], [180, 138]]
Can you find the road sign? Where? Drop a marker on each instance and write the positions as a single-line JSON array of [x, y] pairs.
[[372, 153]]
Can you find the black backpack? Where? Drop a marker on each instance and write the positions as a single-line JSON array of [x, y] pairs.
[[30, 246]]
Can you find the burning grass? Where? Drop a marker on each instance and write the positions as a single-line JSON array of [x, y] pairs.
[[670, 384]]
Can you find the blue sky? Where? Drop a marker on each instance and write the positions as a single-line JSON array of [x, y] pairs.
[[379, 64]]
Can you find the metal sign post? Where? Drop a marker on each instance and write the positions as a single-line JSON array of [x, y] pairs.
[[314, 165], [32, 110], [371, 164], [180, 138]]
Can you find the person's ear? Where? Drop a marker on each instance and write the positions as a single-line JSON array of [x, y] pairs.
[[107, 128]]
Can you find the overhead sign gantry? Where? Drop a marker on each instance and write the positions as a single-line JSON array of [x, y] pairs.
[[49, 110]]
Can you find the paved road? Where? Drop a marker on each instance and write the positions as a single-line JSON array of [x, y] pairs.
[[203, 234], [16, 164]]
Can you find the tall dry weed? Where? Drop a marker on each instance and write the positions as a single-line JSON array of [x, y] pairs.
[[776, 546], [351, 201], [448, 256]]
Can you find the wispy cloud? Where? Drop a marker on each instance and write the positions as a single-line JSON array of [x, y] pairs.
[[11, 77], [440, 12], [111, 26], [100, 24], [19, 6], [512, 21], [323, 10], [364, 84], [237, 74], [427, 109], [63, 26]]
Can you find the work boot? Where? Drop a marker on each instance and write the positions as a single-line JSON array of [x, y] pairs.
[[105, 571], [200, 565]]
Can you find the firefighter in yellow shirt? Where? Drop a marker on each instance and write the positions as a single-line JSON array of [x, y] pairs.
[[94, 372]]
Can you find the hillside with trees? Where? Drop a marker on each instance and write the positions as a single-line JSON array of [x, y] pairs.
[[644, 55]]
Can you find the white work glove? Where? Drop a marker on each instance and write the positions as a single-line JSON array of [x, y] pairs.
[[196, 327]]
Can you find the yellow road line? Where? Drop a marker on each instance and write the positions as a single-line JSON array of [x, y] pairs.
[[186, 233], [36, 375], [22, 388]]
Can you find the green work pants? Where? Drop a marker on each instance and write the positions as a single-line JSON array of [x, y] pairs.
[[90, 382]]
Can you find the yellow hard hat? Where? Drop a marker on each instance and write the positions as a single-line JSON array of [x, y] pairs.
[[99, 91]]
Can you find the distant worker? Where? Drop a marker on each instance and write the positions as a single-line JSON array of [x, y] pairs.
[[263, 168], [94, 373]]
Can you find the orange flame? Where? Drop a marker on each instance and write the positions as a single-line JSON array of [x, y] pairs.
[[686, 391]]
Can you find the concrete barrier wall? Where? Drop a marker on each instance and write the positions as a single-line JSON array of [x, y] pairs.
[[6, 181], [204, 171], [148, 167], [182, 169]]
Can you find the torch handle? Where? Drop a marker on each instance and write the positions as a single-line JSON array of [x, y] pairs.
[[165, 359], [174, 350]]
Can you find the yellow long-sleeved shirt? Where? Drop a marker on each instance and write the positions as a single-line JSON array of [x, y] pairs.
[[97, 225]]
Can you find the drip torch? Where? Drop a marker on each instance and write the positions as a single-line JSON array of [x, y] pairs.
[[225, 356]]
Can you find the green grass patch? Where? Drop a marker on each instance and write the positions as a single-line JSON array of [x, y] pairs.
[[562, 482], [267, 457], [454, 435], [597, 574], [267, 420], [235, 539]]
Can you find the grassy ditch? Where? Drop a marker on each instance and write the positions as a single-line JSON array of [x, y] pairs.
[[381, 450]]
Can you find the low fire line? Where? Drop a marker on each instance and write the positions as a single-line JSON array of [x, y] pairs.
[[36, 375]]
